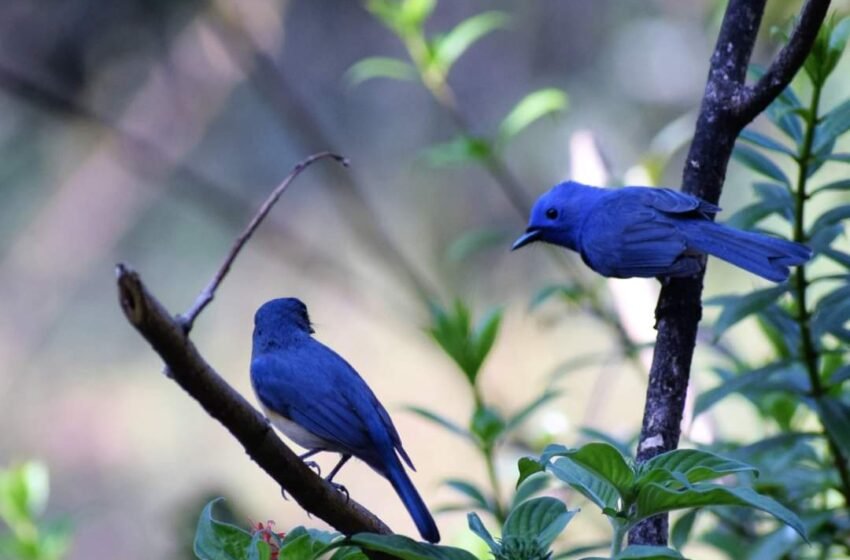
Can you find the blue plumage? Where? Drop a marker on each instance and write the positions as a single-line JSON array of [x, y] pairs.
[[641, 231], [320, 402]]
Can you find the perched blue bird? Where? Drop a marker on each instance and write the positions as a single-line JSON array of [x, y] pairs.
[[314, 397], [643, 231]]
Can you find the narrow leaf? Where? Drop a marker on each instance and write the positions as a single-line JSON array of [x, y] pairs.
[[735, 383], [441, 421], [477, 527], [758, 139], [834, 124], [469, 490], [379, 67], [647, 552], [759, 163], [448, 49], [835, 416], [522, 415], [737, 307], [532, 107]]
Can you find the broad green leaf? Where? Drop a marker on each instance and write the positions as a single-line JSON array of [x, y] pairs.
[[776, 545], [450, 47], [540, 518], [408, 549], [602, 460], [532, 107], [458, 151], [737, 307], [469, 490], [475, 241], [833, 124], [522, 415], [347, 553], [527, 467], [379, 67], [646, 552], [736, 383], [680, 533], [624, 447], [655, 498], [530, 485], [759, 163], [215, 540], [591, 486], [694, 464], [477, 527], [835, 417], [441, 421], [758, 139]]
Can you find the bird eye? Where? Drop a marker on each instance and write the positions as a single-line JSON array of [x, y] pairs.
[[552, 213]]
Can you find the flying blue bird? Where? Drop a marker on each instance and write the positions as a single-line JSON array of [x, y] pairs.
[[316, 399], [643, 231]]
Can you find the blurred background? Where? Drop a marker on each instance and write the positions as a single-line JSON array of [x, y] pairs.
[[148, 132]]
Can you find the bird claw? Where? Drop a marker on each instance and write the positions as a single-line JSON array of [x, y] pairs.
[[283, 494], [342, 489], [315, 466]]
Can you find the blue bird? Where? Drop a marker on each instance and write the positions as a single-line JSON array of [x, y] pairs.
[[316, 399], [643, 231]]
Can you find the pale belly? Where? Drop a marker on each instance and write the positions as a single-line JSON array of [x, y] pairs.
[[296, 433]]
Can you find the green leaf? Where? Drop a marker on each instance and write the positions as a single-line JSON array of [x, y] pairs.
[[824, 237], [776, 545], [260, 550], [839, 35], [766, 142], [414, 13], [24, 490], [737, 383], [646, 552], [759, 163], [487, 425], [448, 49], [772, 199], [694, 464], [477, 527], [469, 490], [781, 329], [830, 218], [605, 461], [441, 421], [530, 485], [841, 158], [832, 125], [623, 446], [347, 553], [215, 540], [408, 549], [522, 415], [737, 307], [540, 518], [379, 67], [569, 293], [532, 107], [459, 151], [468, 347], [835, 417], [838, 256], [593, 487], [842, 185], [831, 313], [527, 467], [655, 498], [680, 534]]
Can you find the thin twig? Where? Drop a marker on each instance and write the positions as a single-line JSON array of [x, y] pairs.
[[207, 294]]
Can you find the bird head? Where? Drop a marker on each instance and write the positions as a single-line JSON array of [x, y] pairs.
[[554, 217], [283, 313]]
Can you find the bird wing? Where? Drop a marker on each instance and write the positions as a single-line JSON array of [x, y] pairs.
[[675, 202], [627, 235], [318, 390]]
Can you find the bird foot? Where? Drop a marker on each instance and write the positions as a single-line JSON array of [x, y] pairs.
[[283, 494], [315, 466], [341, 489]]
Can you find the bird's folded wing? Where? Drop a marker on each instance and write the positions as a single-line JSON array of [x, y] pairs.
[[676, 202]]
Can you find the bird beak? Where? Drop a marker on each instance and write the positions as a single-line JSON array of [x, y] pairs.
[[530, 236]]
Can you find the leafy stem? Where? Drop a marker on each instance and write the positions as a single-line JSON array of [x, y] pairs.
[[498, 506], [810, 352]]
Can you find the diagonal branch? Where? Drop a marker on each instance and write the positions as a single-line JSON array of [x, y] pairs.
[[679, 309], [783, 68], [188, 368]]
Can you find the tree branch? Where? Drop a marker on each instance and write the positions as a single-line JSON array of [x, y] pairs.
[[208, 293], [787, 62], [188, 368], [722, 116]]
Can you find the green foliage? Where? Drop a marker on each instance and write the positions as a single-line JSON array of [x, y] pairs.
[[24, 490], [468, 346]]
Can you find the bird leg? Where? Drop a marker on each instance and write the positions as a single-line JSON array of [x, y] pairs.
[[312, 464], [343, 460]]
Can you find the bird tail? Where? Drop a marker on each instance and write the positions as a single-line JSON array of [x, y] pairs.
[[766, 256], [412, 501]]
